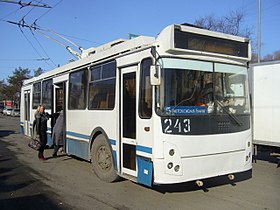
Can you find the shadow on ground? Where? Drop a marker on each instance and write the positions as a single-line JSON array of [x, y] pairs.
[[269, 154], [19, 189], [207, 183], [4, 133]]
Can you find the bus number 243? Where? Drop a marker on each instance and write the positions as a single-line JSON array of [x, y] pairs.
[[176, 125]]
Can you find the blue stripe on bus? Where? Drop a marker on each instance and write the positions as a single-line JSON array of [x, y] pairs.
[[78, 135], [50, 141], [145, 171], [78, 148], [144, 149], [112, 141], [21, 128], [115, 160]]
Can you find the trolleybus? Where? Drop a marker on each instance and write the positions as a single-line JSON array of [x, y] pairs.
[[162, 110]]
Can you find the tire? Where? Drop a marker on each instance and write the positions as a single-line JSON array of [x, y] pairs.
[[102, 160]]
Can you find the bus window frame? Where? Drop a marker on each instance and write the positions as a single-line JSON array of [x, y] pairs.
[[142, 93], [102, 79], [35, 106], [47, 91], [84, 90]]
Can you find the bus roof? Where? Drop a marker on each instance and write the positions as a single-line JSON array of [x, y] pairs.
[[122, 46], [92, 55]]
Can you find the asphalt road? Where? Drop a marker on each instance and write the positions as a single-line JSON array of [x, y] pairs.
[[68, 183]]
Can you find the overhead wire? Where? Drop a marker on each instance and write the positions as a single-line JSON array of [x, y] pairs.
[[24, 4], [34, 47], [252, 12], [271, 6], [23, 59], [48, 11], [35, 28], [30, 11], [34, 24], [3, 18], [42, 48], [22, 24]]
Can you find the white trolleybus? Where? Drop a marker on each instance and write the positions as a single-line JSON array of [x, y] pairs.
[[163, 110]]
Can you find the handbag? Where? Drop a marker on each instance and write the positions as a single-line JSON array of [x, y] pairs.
[[34, 144]]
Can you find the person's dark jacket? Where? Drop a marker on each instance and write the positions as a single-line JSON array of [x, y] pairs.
[[41, 122]]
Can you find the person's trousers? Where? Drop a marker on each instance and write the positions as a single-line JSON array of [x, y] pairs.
[[43, 140], [55, 149]]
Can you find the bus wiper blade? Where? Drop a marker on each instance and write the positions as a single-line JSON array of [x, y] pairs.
[[238, 122]]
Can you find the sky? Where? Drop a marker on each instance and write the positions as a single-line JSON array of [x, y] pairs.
[[90, 23]]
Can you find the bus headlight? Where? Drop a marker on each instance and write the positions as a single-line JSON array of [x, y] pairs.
[[171, 152], [172, 159], [169, 165]]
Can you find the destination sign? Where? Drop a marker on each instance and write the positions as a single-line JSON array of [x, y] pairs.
[[198, 42]]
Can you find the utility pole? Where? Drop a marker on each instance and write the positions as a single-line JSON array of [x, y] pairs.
[[259, 33]]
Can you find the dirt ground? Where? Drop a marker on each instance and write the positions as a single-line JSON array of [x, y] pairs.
[[68, 183]]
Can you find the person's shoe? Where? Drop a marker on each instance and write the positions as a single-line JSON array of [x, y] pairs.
[[54, 155], [42, 158]]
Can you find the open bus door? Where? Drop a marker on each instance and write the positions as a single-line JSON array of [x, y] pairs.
[[128, 121], [59, 106], [26, 114]]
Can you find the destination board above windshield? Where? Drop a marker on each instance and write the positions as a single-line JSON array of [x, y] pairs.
[[198, 42]]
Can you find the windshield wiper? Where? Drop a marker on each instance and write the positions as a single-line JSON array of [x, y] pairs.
[[237, 121]]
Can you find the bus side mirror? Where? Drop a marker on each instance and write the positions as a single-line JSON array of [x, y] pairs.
[[155, 74]]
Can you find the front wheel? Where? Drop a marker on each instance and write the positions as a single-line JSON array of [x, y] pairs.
[[102, 160]]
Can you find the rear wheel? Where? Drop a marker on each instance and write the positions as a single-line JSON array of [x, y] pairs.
[[102, 160]]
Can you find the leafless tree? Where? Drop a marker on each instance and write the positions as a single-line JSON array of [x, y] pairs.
[[230, 24], [234, 23], [272, 57]]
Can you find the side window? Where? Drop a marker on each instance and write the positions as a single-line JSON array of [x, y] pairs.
[[47, 93], [78, 89], [36, 95], [145, 100], [102, 87]]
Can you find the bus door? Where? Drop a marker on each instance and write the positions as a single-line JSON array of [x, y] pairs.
[[59, 106], [26, 115], [128, 120]]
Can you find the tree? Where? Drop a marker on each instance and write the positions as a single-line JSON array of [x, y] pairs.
[[234, 24], [2, 89], [229, 24], [12, 90], [38, 72], [272, 57]]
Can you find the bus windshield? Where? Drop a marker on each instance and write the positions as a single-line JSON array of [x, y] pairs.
[[192, 87]]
